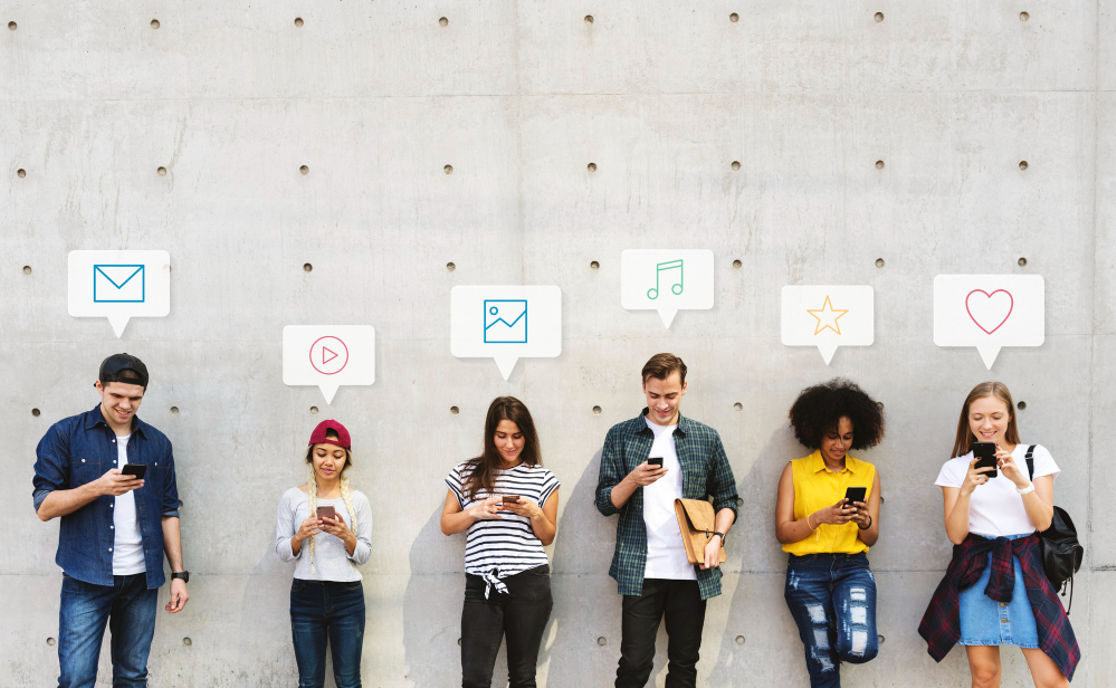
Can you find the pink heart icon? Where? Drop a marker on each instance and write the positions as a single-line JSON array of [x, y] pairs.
[[988, 309]]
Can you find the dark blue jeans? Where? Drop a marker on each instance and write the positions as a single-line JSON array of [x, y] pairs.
[[832, 598], [680, 603], [520, 616], [321, 610], [129, 609]]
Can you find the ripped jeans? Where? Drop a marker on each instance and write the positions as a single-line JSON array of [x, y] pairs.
[[832, 598]]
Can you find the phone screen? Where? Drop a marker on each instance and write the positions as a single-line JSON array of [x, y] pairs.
[[135, 469], [655, 461], [855, 494]]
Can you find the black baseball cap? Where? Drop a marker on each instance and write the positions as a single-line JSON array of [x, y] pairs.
[[123, 368]]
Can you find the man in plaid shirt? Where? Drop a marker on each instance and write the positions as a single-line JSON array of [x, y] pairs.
[[646, 463]]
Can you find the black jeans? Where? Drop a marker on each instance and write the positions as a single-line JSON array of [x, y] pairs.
[[521, 615], [680, 602]]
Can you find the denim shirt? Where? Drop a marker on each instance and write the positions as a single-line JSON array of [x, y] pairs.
[[705, 473], [78, 450]]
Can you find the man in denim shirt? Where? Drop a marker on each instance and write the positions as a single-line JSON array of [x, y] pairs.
[[650, 563], [115, 527]]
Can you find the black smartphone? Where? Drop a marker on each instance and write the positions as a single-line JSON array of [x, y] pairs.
[[855, 494], [137, 470], [985, 453], [655, 461]]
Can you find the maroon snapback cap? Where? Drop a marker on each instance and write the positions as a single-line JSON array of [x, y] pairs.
[[327, 426]]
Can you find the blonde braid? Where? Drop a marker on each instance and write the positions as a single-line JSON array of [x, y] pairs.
[[346, 494], [312, 489]]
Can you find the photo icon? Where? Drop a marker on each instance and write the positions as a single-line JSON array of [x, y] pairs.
[[519, 321], [505, 321]]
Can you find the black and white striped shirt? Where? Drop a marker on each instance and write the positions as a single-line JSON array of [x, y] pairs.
[[507, 545]]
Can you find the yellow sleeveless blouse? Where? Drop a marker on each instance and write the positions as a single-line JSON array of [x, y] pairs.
[[816, 488]]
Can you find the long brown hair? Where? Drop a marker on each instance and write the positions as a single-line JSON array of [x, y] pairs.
[[964, 440], [483, 475]]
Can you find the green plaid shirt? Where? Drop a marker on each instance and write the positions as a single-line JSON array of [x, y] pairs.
[[705, 472]]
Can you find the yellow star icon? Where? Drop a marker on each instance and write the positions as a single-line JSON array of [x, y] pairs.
[[828, 315]]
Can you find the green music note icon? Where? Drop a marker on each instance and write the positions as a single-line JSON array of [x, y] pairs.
[[676, 289]]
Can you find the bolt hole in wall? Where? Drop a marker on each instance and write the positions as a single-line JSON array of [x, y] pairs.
[[35, 412], [50, 641], [737, 263], [602, 641], [592, 167], [298, 21], [1022, 405], [880, 262], [161, 171], [1022, 262], [174, 410], [596, 410], [454, 410], [313, 410], [1023, 165], [738, 406], [155, 24], [879, 17], [21, 173], [879, 164], [443, 21], [12, 26], [594, 265], [27, 269], [187, 641], [739, 640], [448, 169], [1024, 16], [734, 17], [735, 165], [307, 267], [304, 169], [451, 266], [588, 19]]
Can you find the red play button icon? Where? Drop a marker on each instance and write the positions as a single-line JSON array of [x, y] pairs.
[[329, 355]]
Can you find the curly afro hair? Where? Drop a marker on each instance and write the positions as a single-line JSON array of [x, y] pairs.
[[817, 410]]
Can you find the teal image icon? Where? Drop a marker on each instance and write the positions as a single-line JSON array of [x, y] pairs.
[[660, 268], [505, 321]]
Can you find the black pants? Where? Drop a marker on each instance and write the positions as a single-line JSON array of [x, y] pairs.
[[681, 604], [521, 615]]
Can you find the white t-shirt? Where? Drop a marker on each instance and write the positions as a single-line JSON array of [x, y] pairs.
[[127, 548], [996, 507], [666, 554]]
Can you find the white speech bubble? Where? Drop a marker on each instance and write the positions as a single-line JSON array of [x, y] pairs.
[[506, 323], [118, 285], [666, 280], [328, 356], [828, 316], [989, 312]]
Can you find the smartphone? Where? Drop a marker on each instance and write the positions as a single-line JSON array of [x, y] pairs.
[[327, 512], [985, 453], [855, 494], [137, 470], [511, 499], [656, 461]]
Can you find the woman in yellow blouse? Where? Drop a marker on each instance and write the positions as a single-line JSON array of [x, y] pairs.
[[830, 589]]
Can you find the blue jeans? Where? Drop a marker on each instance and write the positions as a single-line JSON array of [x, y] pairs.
[[519, 617], [129, 609], [321, 610], [832, 598]]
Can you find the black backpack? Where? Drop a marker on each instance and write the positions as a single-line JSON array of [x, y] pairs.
[[1061, 551]]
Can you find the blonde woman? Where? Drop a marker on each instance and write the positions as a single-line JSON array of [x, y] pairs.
[[325, 527]]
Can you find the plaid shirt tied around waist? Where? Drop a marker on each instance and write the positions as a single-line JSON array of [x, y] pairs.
[[941, 624], [705, 472]]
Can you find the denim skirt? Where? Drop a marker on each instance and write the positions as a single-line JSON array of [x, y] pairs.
[[984, 621]]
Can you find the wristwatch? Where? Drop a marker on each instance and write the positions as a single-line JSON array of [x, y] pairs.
[[717, 532], [184, 575]]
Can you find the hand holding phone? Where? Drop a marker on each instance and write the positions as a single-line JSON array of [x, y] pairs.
[[327, 512], [134, 470], [656, 461], [985, 453], [855, 494], [511, 499]]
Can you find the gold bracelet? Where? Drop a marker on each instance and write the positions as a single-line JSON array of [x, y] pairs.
[[808, 524]]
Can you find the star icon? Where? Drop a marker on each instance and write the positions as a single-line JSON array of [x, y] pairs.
[[827, 316]]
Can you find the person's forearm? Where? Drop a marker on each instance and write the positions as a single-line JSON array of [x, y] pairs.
[[1040, 513], [64, 502], [957, 524], [172, 543], [457, 522], [543, 528], [622, 492], [724, 520]]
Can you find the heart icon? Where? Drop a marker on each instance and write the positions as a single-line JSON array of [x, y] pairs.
[[989, 310]]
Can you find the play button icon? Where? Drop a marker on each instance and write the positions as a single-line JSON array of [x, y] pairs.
[[329, 355]]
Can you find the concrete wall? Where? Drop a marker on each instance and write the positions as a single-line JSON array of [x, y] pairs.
[[375, 98]]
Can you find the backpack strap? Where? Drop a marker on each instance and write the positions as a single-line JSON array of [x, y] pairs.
[[1031, 462]]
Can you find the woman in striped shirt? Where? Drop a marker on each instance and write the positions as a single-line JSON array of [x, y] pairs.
[[507, 504]]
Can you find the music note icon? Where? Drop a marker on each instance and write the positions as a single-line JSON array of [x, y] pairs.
[[676, 289]]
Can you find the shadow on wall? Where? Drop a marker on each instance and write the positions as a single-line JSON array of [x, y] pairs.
[[581, 557], [432, 607], [265, 624], [762, 564]]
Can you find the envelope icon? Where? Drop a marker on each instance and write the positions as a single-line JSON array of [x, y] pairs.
[[505, 321], [116, 283]]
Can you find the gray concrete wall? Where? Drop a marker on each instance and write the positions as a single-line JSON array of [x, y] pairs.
[[376, 98]]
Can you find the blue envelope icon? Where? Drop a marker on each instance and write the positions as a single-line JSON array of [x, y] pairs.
[[115, 283], [505, 321]]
